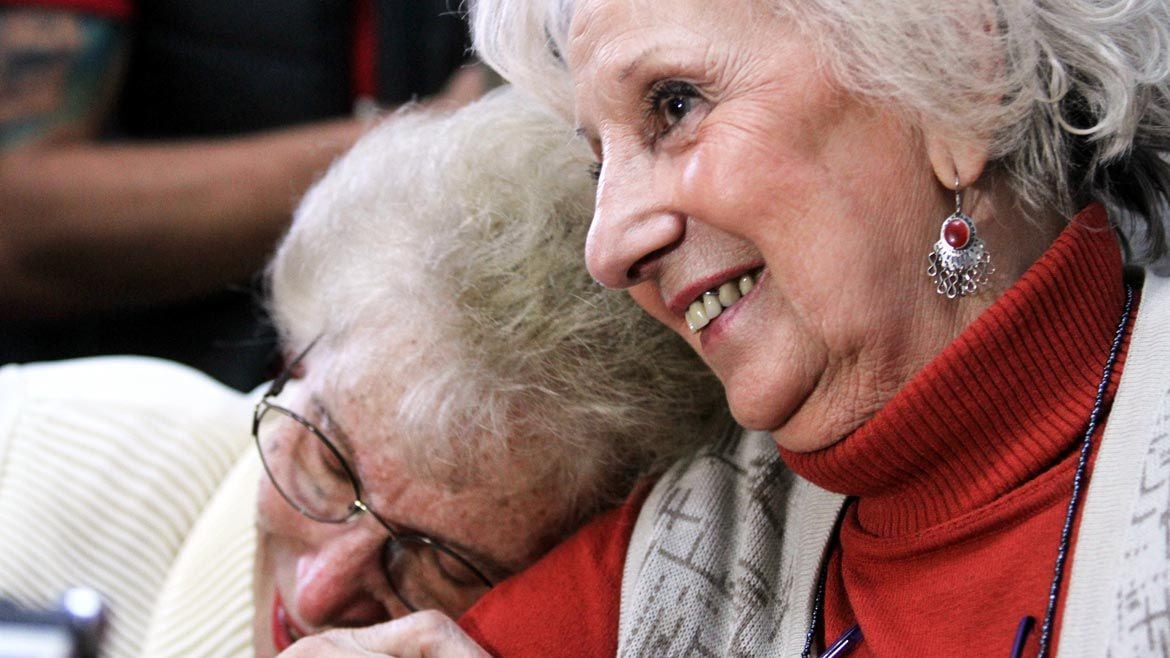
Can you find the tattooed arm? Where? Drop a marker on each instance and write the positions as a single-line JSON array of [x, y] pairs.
[[56, 74], [87, 225]]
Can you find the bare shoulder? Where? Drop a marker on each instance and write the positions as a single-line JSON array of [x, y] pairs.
[[58, 72]]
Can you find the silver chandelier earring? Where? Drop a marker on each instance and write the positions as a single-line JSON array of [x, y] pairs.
[[959, 263]]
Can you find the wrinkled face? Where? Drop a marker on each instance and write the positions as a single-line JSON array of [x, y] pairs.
[[738, 180], [312, 576]]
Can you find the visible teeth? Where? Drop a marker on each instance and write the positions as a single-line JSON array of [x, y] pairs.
[[697, 317], [745, 284], [711, 303], [729, 293]]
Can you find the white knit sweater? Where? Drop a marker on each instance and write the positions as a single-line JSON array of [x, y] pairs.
[[106, 467]]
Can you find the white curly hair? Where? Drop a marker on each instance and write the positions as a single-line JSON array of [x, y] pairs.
[[440, 263], [1073, 96]]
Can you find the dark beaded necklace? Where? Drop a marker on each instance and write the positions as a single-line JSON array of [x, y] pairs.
[[852, 637]]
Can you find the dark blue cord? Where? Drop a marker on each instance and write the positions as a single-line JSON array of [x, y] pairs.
[[818, 603], [822, 576], [1022, 631], [1079, 478]]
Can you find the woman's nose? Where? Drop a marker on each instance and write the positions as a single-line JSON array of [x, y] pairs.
[[633, 225], [340, 583]]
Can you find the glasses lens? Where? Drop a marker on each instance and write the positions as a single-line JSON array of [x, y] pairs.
[[429, 576], [305, 468]]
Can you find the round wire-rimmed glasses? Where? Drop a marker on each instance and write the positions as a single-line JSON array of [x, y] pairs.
[[309, 472]]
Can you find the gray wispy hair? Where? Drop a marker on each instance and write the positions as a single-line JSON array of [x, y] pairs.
[[440, 261], [1073, 96]]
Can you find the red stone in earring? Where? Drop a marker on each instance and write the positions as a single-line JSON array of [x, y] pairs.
[[959, 263], [957, 232]]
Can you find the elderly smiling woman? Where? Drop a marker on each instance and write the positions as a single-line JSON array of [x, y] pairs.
[[896, 231], [462, 396]]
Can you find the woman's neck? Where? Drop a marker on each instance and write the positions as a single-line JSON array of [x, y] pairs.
[[1000, 404]]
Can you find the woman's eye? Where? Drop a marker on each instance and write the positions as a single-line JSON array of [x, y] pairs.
[[675, 108], [670, 102], [329, 461]]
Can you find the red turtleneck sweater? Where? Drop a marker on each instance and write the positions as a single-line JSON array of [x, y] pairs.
[[962, 481]]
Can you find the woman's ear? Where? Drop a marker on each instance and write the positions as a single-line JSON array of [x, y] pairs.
[[951, 157]]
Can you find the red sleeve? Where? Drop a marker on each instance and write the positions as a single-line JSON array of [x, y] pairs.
[[567, 603], [118, 9]]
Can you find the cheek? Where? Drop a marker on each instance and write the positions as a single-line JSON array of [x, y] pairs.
[[736, 177], [649, 297], [269, 519], [274, 516], [282, 535]]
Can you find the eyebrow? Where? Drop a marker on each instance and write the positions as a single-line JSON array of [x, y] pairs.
[[336, 432], [632, 67], [624, 74]]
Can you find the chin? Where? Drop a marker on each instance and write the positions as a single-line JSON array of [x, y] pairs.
[[794, 438], [816, 426], [759, 397], [789, 413]]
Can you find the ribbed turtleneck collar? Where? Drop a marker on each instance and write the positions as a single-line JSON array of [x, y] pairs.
[[1001, 404]]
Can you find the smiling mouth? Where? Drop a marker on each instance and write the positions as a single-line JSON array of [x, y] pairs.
[[712, 303]]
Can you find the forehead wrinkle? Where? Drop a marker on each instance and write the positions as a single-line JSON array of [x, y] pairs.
[[584, 17], [672, 47], [592, 22]]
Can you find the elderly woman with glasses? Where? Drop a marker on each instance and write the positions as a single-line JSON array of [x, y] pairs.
[[460, 395]]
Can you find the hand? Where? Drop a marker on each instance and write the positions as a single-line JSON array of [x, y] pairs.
[[426, 634]]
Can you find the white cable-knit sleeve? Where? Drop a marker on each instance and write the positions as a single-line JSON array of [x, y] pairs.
[[105, 464]]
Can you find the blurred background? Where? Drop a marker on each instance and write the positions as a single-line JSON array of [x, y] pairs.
[[151, 152]]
